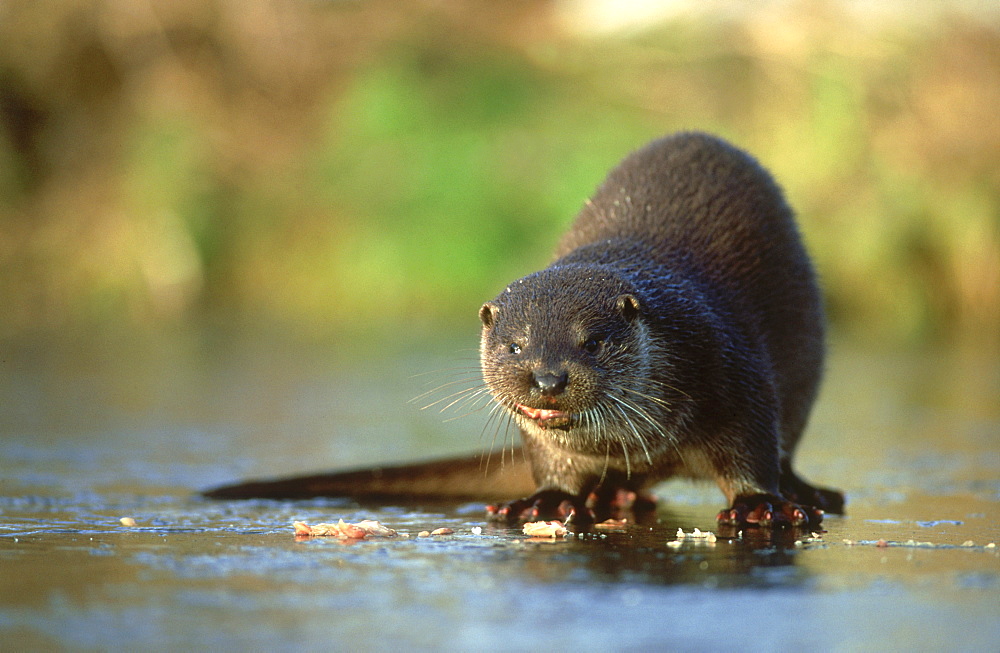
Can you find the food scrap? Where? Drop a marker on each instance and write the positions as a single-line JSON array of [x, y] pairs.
[[436, 531], [344, 531], [698, 536], [551, 529], [612, 526]]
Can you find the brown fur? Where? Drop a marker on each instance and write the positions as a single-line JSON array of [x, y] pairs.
[[687, 271]]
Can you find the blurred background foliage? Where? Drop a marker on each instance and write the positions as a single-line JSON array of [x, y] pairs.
[[374, 167]]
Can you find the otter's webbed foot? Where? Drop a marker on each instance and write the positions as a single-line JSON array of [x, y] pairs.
[[546, 504], [768, 510], [600, 504]]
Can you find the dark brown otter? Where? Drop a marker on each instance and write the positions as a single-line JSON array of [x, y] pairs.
[[679, 332]]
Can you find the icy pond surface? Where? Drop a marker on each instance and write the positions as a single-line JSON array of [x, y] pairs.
[[89, 437]]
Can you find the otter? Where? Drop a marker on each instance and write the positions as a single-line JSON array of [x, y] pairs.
[[678, 332]]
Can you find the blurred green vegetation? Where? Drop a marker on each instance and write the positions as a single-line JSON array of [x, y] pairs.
[[367, 167]]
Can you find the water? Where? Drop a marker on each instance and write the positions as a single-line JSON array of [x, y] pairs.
[[92, 434]]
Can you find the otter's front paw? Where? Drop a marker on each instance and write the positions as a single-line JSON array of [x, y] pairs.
[[769, 511], [544, 505]]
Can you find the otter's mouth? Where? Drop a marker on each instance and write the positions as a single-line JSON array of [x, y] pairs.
[[547, 418]]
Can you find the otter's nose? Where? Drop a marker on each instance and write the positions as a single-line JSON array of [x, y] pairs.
[[550, 384]]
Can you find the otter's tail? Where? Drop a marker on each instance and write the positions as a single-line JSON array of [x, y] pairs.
[[466, 477]]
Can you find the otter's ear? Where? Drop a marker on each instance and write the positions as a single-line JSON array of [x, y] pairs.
[[488, 314], [627, 306]]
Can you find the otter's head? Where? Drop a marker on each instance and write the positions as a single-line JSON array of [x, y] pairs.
[[566, 351]]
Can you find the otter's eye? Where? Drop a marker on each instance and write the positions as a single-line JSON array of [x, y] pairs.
[[593, 345], [514, 348]]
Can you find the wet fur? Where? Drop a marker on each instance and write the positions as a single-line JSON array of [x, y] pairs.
[[713, 370]]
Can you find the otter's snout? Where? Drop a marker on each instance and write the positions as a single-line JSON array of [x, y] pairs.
[[550, 384]]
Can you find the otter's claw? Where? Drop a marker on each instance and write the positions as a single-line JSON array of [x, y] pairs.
[[546, 505], [769, 511]]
